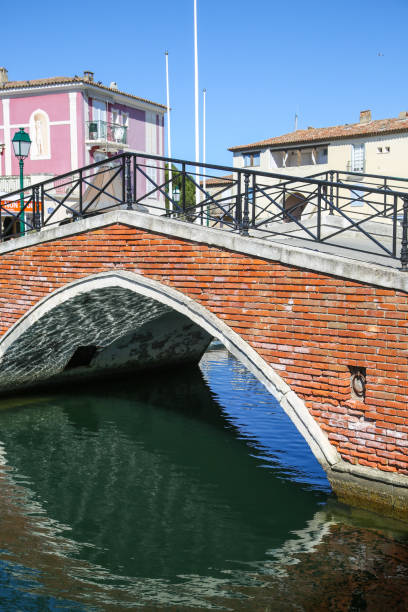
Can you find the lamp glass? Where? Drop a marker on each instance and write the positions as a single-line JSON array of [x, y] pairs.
[[176, 194], [21, 144]]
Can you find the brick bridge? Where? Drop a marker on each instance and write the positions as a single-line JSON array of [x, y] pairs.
[[327, 335]]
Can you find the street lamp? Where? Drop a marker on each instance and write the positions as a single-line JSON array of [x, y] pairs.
[[176, 194], [21, 145]]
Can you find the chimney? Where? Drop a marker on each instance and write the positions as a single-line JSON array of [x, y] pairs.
[[113, 85], [88, 76], [3, 76], [365, 116]]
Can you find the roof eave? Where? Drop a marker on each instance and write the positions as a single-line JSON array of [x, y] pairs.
[[82, 85], [293, 143]]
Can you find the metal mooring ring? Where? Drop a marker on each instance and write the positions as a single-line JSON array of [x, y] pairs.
[[358, 384]]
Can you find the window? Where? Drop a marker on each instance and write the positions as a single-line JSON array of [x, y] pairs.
[[252, 159], [379, 150], [387, 149], [322, 156], [358, 158]]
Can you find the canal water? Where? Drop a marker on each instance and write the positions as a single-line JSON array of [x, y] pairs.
[[188, 490]]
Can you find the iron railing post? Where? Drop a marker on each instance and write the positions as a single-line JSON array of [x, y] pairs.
[[253, 199], [128, 184], [36, 211], [319, 212], [80, 193], [183, 189], [395, 226], [337, 189], [42, 205], [238, 205], [331, 212], [245, 217], [385, 197], [134, 177], [404, 242], [123, 173]]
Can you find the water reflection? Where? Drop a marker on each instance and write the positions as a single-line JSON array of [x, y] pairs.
[[168, 490]]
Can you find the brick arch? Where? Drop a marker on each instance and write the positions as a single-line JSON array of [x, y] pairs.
[[204, 319]]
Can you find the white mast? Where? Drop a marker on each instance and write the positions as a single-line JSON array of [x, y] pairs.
[[204, 156], [169, 129], [197, 135]]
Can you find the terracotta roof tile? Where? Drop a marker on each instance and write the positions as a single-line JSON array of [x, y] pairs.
[[219, 181], [66, 80], [379, 126]]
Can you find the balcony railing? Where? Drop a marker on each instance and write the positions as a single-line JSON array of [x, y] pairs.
[[108, 132]]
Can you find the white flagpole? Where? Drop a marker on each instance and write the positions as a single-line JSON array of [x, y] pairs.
[[169, 131], [197, 135], [204, 151]]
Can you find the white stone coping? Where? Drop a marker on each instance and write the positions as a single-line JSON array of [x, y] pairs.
[[326, 263], [368, 473]]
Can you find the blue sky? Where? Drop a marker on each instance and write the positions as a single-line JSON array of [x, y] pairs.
[[260, 61]]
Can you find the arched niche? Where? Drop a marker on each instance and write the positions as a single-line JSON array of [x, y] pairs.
[[40, 135]]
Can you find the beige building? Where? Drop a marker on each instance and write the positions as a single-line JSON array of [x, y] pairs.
[[355, 158], [370, 146]]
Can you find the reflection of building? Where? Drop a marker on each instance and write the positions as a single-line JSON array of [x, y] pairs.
[[374, 147], [74, 121]]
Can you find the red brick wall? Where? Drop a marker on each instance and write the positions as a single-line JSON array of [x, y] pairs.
[[309, 326]]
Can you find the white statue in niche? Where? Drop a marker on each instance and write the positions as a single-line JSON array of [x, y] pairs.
[[40, 135]]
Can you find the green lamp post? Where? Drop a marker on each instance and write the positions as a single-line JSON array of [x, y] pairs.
[[21, 145]]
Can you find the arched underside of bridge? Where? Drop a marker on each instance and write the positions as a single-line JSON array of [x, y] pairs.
[[121, 322]]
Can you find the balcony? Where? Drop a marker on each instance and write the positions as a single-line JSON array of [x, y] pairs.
[[106, 135]]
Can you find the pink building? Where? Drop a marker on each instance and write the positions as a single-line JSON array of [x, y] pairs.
[[72, 121]]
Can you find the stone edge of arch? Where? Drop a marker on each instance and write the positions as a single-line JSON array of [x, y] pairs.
[[296, 409], [325, 263]]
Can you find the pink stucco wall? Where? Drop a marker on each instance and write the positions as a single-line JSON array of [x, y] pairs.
[[57, 106]]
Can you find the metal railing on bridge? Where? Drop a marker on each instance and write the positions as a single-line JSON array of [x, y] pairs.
[[369, 215]]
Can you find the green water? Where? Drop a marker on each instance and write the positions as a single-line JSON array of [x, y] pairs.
[[184, 491]]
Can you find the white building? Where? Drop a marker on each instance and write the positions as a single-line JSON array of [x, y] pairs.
[[370, 146]]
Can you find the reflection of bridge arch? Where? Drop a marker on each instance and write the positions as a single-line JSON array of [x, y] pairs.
[[50, 429], [54, 332]]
